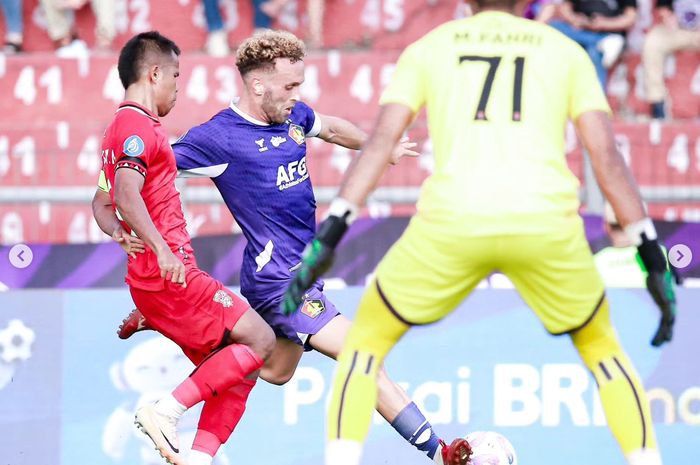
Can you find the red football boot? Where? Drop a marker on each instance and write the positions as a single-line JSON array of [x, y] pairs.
[[133, 323], [457, 453]]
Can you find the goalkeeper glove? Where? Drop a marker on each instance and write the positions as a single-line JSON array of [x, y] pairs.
[[319, 253], [660, 280]]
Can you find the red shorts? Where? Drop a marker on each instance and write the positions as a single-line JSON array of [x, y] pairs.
[[196, 317]]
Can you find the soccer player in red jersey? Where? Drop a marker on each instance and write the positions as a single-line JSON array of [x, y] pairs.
[[218, 331]]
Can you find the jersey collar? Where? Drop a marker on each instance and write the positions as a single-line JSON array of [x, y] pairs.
[[138, 108], [245, 115]]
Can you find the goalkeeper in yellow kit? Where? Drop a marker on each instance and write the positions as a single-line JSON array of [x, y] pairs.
[[498, 91]]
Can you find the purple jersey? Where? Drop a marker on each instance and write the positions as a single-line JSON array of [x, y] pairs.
[[260, 171]]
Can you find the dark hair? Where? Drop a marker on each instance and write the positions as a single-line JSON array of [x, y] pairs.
[[134, 53]]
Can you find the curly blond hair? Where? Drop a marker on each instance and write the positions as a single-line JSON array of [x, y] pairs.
[[261, 50]]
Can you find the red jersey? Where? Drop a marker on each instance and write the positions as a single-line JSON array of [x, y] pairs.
[[136, 140]]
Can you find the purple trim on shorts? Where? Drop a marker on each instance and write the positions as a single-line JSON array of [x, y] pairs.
[[345, 387], [369, 364], [288, 327], [588, 320], [639, 403], [605, 371]]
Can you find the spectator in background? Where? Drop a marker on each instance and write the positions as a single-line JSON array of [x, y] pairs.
[[264, 11], [314, 9], [272, 8], [60, 20], [599, 26], [542, 10], [217, 38], [12, 9], [679, 30]]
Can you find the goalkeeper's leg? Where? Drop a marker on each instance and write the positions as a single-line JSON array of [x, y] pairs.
[[373, 333], [621, 391]]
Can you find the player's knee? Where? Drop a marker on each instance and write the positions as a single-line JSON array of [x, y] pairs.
[[267, 343], [597, 338], [594, 348], [263, 343], [276, 376]]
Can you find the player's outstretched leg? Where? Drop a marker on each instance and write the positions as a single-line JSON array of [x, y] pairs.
[[133, 323], [374, 332], [219, 418], [621, 392], [218, 372], [412, 425], [159, 422], [393, 403]]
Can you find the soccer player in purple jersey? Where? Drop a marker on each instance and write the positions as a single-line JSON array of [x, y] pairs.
[[255, 153]]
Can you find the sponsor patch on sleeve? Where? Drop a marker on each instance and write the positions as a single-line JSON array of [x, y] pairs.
[[313, 308], [134, 146]]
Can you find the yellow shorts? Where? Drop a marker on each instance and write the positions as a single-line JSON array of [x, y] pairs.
[[434, 266]]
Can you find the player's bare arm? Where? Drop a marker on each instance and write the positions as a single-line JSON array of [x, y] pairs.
[[109, 224], [611, 171], [342, 132], [127, 198], [363, 175], [619, 187], [104, 213]]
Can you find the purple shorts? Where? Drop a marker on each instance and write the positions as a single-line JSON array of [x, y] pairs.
[[313, 314]]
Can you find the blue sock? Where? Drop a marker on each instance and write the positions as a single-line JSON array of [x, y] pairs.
[[414, 428]]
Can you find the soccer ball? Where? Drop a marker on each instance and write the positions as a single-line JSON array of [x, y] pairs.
[[491, 448]]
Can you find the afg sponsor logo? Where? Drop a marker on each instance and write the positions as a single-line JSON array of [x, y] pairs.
[[134, 146], [292, 174]]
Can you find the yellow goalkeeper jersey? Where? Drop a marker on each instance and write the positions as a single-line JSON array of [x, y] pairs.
[[498, 91]]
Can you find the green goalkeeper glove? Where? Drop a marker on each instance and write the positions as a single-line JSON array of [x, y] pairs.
[[318, 254], [660, 280]]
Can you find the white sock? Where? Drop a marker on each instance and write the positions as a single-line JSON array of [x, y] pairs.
[[169, 406], [343, 452], [437, 458], [644, 457], [200, 458]]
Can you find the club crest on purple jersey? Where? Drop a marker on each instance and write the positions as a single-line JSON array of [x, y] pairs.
[[296, 132]]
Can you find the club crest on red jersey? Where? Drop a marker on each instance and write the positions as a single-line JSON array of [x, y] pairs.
[[223, 298], [296, 132], [313, 308]]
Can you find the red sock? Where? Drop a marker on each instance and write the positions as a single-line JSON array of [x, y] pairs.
[[217, 373], [220, 416]]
